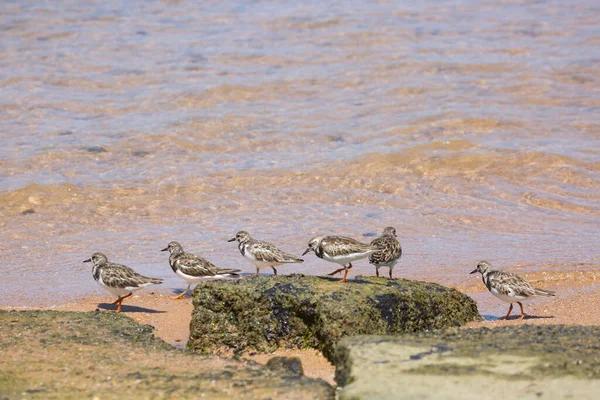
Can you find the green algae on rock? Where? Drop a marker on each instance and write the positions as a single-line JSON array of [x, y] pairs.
[[529, 362], [267, 312], [52, 354]]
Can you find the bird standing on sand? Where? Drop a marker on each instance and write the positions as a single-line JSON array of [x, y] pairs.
[[118, 279], [262, 254], [508, 287], [340, 250], [193, 268], [389, 253]]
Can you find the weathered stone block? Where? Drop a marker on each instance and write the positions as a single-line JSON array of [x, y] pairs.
[[523, 362]]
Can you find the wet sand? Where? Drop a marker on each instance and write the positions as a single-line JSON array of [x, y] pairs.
[[472, 129], [576, 303]]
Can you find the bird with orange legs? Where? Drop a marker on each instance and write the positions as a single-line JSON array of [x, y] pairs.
[[340, 250], [118, 279], [193, 268], [262, 254], [508, 287]]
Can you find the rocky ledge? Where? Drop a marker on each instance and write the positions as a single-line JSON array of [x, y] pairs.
[[268, 312], [51, 354], [524, 362]]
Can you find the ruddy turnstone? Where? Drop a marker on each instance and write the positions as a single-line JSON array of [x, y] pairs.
[[508, 287], [262, 254], [340, 250], [193, 268], [118, 279], [389, 253]]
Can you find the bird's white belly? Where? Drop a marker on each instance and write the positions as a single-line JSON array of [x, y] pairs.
[[508, 299], [260, 264], [117, 291], [197, 279], [219, 277], [346, 258], [189, 278]]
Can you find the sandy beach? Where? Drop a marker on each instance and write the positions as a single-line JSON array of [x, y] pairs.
[[470, 127], [576, 291]]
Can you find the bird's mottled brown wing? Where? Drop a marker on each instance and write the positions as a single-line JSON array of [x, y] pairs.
[[509, 284], [194, 265], [121, 276], [341, 245], [390, 250], [268, 253]]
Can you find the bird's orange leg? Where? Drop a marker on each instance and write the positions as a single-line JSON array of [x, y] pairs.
[[121, 301], [346, 272], [522, 312], [182, 294], [274, 271], [117, 301], [337, 271], [509, 311]]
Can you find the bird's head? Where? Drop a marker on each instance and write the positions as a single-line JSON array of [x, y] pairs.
[[482, 267]]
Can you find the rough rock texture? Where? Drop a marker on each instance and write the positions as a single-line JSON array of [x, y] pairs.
[[523, 362], [266, 312], [50, 354]]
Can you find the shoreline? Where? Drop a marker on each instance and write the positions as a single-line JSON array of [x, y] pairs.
[[171, 318]]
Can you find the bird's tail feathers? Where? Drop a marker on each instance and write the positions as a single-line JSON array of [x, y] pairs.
[[233, 273], [544, 292], [289, 259]]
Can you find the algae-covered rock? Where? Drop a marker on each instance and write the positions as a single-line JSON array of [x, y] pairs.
[[520, 362], [71, 355], [266, 312]]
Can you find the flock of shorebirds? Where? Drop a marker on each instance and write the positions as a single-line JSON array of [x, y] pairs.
[[384, 251]]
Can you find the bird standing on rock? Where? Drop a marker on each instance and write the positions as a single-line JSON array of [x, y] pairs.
[[340, 250], [262, 254], [389, 253]]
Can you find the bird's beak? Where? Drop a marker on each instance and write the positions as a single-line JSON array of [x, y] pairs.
[[165, 249], [232, 239], [306, 251], [472, 272], [88, 260]]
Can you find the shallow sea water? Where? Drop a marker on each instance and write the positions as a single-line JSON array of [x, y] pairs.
[[472, 127]]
